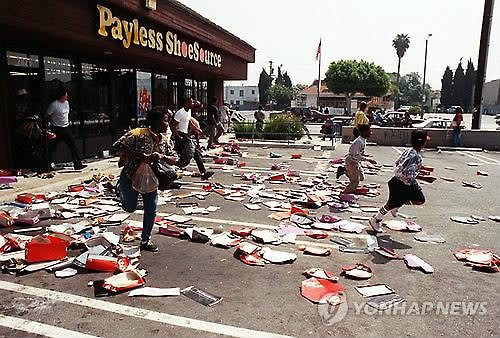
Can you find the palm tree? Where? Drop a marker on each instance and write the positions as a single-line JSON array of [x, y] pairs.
[[401, 43]]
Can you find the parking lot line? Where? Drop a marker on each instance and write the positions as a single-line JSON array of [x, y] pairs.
[[39, 328], [484, 157], [474, 157], [136, 312]]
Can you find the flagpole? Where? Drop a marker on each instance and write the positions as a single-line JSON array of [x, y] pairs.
[[319, 76]]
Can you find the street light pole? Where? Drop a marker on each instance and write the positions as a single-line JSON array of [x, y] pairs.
[[425, 70], [482, 60]]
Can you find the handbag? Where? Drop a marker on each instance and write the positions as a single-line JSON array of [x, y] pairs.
[[166, 175]]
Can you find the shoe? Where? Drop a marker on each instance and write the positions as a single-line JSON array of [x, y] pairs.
[[207, 175], [375, 224], [394, 212], [79, 166], [340, 171], [149, 246]]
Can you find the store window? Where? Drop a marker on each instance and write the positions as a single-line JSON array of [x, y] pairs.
[[124, 100], [204, 94], [174, 95], [61, 72], [160, 91], [95, 99], [188, 88], [144, 102]]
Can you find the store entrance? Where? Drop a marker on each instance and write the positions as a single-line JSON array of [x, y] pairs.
[[24, 110]]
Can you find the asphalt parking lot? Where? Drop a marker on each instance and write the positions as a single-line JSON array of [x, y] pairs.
[[268, 298]]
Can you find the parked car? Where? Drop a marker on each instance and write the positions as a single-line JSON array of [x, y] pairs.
[[397, 119], [304, 113], [435, 123], [318, 116]]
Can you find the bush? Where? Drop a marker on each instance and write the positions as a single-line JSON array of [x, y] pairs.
[[244, 130], [279, 125], [414, 110]]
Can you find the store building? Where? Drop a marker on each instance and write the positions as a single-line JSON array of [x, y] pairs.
[[118, 59]]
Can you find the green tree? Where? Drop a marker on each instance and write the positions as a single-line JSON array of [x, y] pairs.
[[459, 86], [401, 43], [265, 82], [447, 88], [470, 80], [287, 82], [279, 77], [281, 95], [297, 89], [351, 76], [410, 89]]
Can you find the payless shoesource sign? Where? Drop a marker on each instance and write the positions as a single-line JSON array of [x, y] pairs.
[[131, 32]]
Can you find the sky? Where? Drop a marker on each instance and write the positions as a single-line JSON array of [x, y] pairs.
[[287, 32]]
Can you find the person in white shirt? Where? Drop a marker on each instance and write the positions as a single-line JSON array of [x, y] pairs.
[[353, 160], [183, 126], [225, 117], [58, 113]]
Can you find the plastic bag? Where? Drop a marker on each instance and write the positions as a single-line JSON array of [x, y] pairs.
[[144, 180]]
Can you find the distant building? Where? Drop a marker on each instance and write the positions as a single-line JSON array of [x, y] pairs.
[[435, 100], [491, 97], [336, 103], [242, 97]]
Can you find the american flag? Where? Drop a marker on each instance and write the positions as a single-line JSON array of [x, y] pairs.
[[318, 52]]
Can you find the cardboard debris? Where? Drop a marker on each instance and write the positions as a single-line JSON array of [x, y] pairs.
[[464, 220], [121, 282], [154, 292], [447, 179], [348, 226], [317, 234], [266, 236], [321, 274], [472, 184], [494, 218], [403, 225], [373, 290], [315, 250], [225, 240], [479, 259], [385, 302], [277, 257], [65, 273], [46, 248], [429, 238], [387, 253], [200, 296], [415, 262], [357, 271], [320, 290]]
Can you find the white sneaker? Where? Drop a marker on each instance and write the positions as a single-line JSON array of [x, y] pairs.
[[376, 225], [394, 212]]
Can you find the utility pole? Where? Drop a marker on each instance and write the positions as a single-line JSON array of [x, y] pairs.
[[482, 60], [425, 70], [271, 82]]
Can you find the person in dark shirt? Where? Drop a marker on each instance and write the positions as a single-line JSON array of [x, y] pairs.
[[215, 128]]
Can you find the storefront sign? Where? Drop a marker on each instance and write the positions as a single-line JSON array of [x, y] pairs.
[[132, 32]]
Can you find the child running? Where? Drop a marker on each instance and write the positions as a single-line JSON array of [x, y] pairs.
[[403, 187], [353, 159]]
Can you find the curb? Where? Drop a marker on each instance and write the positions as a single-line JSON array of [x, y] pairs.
[[284, 145], [460, 149]]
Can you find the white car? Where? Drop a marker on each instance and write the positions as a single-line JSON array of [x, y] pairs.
[[434, 123]]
